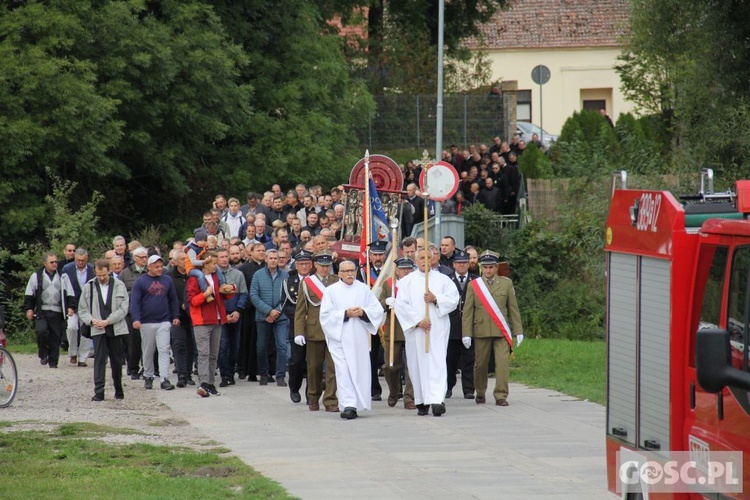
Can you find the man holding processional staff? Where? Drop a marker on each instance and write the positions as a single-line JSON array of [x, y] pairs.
[[424, 301]]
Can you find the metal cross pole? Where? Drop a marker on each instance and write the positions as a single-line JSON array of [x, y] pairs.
[[394, 247], [424, 162]]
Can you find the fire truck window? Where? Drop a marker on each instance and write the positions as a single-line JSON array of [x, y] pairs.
[[737, 311], [711, 307]]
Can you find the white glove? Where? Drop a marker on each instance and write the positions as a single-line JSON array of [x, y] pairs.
[[390, 301], [300, 340], [519, 339], [466, 341]]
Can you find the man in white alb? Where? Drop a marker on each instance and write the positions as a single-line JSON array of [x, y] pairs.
[[349, 315], [427, 370]]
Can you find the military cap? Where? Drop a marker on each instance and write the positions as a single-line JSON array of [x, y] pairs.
[[460, 256], [324, 258], [404, 263], [303, 255], [489, 257], [378, 246]]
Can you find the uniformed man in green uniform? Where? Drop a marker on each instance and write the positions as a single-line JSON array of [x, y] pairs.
[[310, 332], [393, 373], [491, 318]]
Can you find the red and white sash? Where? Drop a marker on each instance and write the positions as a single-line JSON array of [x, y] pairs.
[[389, 283], [313, 283], [485, 297]]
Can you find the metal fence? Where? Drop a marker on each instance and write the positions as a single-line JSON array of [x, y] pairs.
[[406, 121]]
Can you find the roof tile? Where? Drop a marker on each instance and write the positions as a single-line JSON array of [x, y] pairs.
[[556, 24]]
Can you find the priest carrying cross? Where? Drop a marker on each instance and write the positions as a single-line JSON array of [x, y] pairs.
[[427, 370]]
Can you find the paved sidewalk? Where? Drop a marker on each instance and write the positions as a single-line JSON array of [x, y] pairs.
[[544, 445]]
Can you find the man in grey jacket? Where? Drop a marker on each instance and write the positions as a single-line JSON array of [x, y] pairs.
[[104, 305]]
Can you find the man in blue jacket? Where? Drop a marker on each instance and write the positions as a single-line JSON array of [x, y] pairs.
[[230, 332], [265, 294]]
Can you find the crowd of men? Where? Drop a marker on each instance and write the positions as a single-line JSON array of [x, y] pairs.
[[488, 176], [278, 306]]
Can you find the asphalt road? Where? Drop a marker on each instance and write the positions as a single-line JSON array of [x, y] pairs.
[[544, 445]]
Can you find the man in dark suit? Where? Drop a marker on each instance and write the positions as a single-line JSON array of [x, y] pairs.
[[459, 356], [416, 201], [79, 272]]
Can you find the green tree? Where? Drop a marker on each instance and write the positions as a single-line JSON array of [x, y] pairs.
[[127, 97], [534, 164], [687, 60], [305, 102], [400, 50], [160, 105], [587, 146]]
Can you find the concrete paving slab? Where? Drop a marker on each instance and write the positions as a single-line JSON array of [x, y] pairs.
[[544, 445]]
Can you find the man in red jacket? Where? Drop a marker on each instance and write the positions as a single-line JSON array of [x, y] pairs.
[[207, 319]]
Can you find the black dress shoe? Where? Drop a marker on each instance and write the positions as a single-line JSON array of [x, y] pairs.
[[377, 397], [224, 382], [295, 396], [423, 410], [468, 395], [98, 397], [349, 413], [438, 410], [119, 395], [448, 394]]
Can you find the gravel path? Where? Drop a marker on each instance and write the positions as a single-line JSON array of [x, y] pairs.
[[48, 397]]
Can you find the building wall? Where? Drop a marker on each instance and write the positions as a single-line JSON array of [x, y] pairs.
[[575, 74]]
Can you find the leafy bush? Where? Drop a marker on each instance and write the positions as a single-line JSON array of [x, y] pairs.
[[534, 164], [558, 270], [587, 147], [63, 226], [482, 227]]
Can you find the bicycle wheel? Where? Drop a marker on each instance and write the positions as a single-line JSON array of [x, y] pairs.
[[8, 378]]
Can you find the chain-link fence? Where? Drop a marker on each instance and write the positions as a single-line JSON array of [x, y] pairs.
[[406, 121]]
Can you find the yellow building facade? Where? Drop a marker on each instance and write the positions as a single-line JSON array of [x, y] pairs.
[[577, 41]]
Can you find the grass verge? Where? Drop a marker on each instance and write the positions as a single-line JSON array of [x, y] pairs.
[[67, 463], [569, 366]]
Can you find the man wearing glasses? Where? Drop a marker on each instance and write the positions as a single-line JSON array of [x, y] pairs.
[[48, 297]]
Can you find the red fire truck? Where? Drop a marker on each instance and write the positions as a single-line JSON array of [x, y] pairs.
[[678, 318]]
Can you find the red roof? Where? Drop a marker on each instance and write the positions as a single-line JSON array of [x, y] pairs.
[[541, 24]]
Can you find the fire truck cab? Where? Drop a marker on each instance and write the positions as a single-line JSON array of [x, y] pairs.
[[677, 325]]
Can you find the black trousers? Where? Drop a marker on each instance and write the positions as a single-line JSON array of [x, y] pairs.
[[48, 339], [463, 359], [183, 348], [107, 348], [297, 366], [247, 358], [376, 356], [134, 347]]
